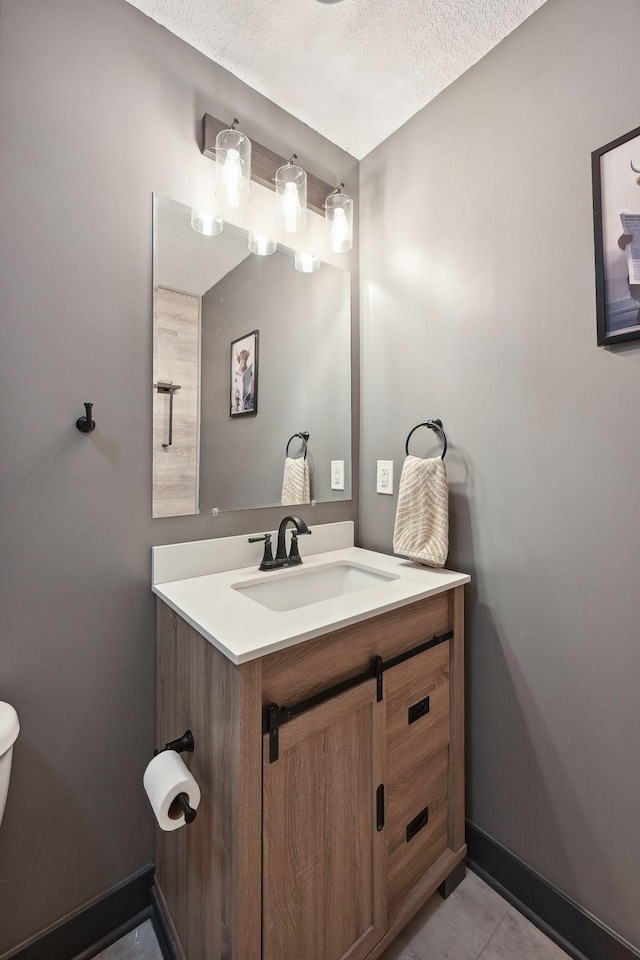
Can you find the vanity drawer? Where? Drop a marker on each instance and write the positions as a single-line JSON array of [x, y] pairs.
[[417, 698], [416, 823], [306, 669]]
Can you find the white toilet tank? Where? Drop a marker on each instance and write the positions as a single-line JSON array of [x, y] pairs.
[[9, 729]]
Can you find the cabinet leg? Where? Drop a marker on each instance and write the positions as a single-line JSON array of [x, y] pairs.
[[456, 876]]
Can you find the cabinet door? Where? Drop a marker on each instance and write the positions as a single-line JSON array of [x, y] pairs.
[[323, 855]]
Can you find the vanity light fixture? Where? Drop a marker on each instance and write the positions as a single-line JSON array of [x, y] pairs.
[[233, 166], [338, 218], [261, 245], [208, 224], [264, 164], [306, 262], [291, 196]]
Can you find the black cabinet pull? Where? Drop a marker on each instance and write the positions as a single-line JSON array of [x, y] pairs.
[[380, 808], [416, 825], [419, 709]]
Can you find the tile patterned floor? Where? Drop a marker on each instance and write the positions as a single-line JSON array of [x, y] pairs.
[[475, 923], [140, 944]]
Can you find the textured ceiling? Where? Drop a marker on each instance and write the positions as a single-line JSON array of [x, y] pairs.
[[353, 70], [184, 260]]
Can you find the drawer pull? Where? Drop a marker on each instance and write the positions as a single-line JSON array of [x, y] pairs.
[[419, 709], [380, 808], [416, 825]]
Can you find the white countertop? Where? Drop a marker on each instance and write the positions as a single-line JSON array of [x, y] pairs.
[[244, 630]]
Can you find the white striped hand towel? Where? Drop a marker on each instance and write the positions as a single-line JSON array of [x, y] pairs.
[[296, 485], [422, 518]]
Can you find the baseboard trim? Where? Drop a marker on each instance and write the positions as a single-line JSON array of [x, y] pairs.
[[581, 935], [163, 926], [96, 925]]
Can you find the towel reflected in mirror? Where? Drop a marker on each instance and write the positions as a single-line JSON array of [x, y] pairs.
[[296, 482]]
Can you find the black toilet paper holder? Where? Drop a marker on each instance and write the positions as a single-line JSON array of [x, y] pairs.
[[183, 744]]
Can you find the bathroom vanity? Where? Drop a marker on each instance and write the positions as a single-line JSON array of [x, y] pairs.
[[328, 749]]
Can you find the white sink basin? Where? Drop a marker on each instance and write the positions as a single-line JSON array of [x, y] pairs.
[[293, 589]]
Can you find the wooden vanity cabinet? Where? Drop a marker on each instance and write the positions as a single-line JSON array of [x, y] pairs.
[[318, 836]]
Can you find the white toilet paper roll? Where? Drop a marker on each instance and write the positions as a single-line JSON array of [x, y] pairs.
[[166, 776]]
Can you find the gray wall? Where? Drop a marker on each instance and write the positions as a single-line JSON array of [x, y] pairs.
[[479, 307], [304, 380], [99, 108]]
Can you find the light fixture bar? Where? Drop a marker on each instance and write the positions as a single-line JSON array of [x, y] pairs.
[[335, 192], [264, 164]]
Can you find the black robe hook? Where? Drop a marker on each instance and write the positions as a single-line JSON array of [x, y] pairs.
[[86, 424]]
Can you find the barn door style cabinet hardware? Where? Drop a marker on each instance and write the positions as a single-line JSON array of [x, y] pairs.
[[334, 778], [274, 716]]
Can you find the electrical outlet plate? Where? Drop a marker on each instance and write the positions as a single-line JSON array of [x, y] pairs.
[[384, 476], [337, 474]]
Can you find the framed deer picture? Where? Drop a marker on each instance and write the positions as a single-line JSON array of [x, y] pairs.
[[244, 376], [616, 217]]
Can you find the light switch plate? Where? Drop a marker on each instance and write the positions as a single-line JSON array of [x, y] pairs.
[[384, 476], [337, 474]]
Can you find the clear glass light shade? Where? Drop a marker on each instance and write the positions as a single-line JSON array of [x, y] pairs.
[[233, 168], [291, 198], [261, 245], [338, 218], [306, 262], [206, 223]]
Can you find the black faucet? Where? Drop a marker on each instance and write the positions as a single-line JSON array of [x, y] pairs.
[[282, 560], [281, 553]]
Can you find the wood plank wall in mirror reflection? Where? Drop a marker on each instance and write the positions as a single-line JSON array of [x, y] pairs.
[[176, 349]]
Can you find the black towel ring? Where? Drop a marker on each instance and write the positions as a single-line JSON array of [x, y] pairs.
[[304, 436], [433, 425]]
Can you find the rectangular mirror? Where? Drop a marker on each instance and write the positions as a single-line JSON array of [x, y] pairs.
[[249, 353]]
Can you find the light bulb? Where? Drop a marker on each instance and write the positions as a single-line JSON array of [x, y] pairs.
[[291, 197], [261, 245], [233, 167], [290, 208], [306, 262], [208, 224], [232, 177], [339, 231], [338, 218]]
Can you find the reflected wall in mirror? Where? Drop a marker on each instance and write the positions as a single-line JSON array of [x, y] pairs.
[[248, 352]]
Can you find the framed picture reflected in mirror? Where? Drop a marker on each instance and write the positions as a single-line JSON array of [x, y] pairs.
[[244, 375]]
